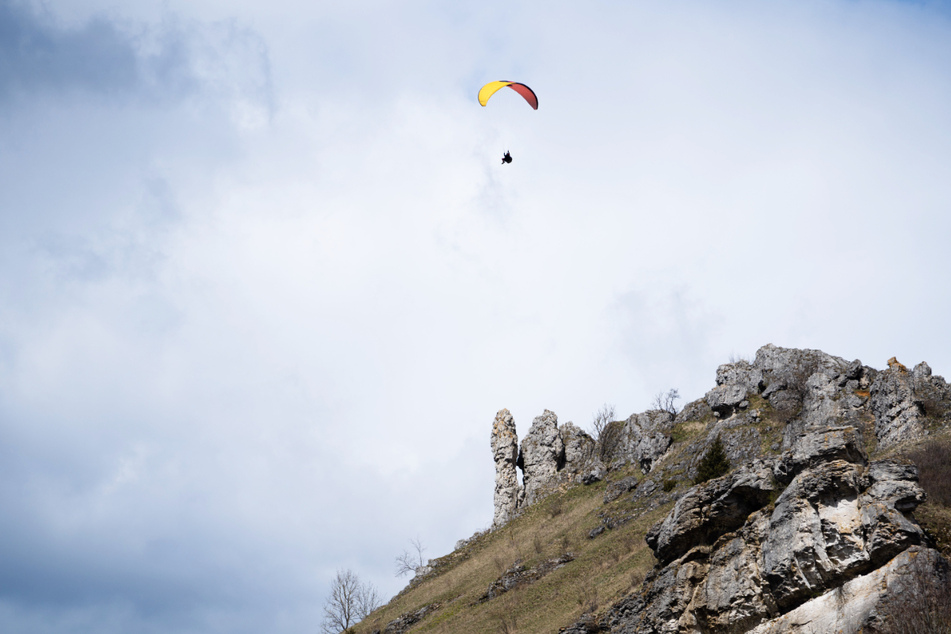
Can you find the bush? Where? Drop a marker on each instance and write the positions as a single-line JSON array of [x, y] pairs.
[[934, 470], [713, 464], [921, 604]]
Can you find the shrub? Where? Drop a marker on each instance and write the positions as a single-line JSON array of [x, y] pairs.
[[920, 605], [609, 442], [713, 464], [934, 470]]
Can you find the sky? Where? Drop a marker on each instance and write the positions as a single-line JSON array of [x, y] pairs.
[[264, 281]]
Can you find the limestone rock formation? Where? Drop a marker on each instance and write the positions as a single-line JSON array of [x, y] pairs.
[[505, 453], [813, 392], [518, 575], [549, 455], [542, 455], [809, 388], [812, 529], [729, 559], [811, 448], [647, 437], [709, 510], [408, 620], [856, 605], [901, 400], [581, 459], [641, 440], [806, 532], [725, 399]]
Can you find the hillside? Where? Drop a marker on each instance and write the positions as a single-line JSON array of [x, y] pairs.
[[819, 524]]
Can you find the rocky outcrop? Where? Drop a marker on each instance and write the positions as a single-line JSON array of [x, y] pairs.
[[859, 604], [709, 510], [406, 621], [812, 448], [903, 402], [643, 439], [807, 533], [809, 389], [505, 452], [725, 399], [763, 407], [549, 455], [542, 455], [729, 560], [581, 458], [518, 575]]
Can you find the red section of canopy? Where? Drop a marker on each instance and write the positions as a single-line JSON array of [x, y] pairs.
[[527, 93]]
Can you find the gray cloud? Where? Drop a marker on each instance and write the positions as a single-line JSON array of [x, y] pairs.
[[35, 54], [107, 58]]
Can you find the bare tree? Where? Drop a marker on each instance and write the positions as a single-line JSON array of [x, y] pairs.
[[606, 432], [666, 402], [368, 600], [411, 562], [602, 418], [350, 601]]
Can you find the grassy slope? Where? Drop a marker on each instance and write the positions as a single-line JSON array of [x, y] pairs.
[[604, 569]]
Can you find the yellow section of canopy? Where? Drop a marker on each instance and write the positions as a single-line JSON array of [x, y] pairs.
[[490, 89]]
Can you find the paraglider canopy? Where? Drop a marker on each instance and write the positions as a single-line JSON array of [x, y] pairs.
[[494, 86]]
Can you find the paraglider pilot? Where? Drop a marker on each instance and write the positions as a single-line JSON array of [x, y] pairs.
[[507, 158]]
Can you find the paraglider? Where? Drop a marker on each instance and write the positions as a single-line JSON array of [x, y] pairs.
[[494, 86]]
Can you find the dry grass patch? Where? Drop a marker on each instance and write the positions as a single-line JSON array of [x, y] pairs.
[[604, 569], [936, 520], [687, 430]]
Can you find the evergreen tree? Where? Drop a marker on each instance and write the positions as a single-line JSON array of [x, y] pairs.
[[713, 464]]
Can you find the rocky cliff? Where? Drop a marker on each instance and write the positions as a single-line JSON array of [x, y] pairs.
[[806, 534], [787, 499], [804, 390]]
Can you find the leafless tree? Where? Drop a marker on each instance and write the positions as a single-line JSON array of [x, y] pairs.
[[350, 601], [666, 402], [602, 418], [368, 600], [411, 561], [606, 431]]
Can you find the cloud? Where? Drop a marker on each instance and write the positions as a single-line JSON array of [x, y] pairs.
[[108, 58], [262, 292], [37, 55]]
